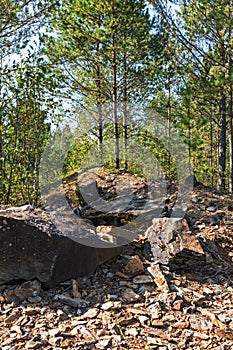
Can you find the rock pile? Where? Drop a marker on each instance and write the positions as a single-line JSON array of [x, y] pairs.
[[142, 298], [129, 303]]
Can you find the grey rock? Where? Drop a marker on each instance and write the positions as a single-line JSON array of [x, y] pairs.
[[177, 213], [181, 214], [107, 306], [129, 295], [159, 278], [191, 180], [113, 297], [229, 222], [117, 205], [214, 220], [211, 209], [91, 313], [142, 279], [165, 237], [110, 275], [36, 299], [73, 302], [195, 199], [164, 185], [143, 289], [77, 211], [12, 317], [174, 288]]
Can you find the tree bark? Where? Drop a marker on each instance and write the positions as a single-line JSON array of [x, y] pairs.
[[114, 97], [99, 99], [230, 109], [211, 150], [230, 103], [100, 129], [125, 114], [169, 112], [222, 144]]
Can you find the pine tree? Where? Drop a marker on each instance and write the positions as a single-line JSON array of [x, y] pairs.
[[202, 31], [100, 57]]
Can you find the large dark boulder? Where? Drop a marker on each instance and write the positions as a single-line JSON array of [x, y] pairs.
[[31, 247]]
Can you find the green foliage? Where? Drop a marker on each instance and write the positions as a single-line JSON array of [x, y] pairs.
[[99, 58], [93, 60], [199, 51], [23, 134], [75, 156]]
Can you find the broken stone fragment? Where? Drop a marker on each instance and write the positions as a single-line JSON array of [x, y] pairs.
[[132, 331], [200, 324], [195, 199], [103, 344], [134, 266], [211, 209], [159, 278], [141, 279], [73, 302], [23, 291], [32, 345], [130, 295], [155, 311], [107, 306], [166, 237], [214, 220], [91, 313]]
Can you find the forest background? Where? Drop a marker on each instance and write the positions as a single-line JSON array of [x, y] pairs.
[[103, 64]]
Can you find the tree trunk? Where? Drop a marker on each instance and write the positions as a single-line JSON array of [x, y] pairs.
[[2, 167], [222, 144], [125, 114], [2, 170], [114, 98], [100, 129], [230, 109], [211, 151], [230, 106], [169, 112], [99, 99]]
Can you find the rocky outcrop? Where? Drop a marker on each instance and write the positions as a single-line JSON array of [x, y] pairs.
[[63, 244], [31, 247]]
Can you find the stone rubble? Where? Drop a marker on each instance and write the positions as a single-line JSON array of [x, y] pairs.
[[132, 302]]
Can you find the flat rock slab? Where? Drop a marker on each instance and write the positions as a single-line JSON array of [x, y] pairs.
[[31, 247]]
